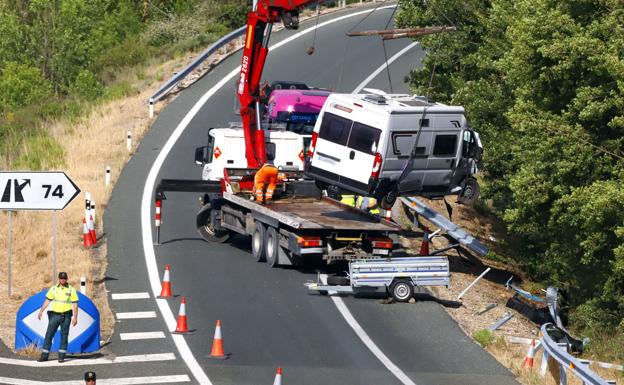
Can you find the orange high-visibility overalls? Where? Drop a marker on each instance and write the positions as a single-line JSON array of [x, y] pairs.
[[265, 177]]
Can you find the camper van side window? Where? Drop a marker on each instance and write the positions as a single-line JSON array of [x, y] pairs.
[[402, 145], [364, 138], [445, 145], [335, 129]]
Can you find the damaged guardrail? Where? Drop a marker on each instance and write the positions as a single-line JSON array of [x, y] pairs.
[[453, 230], [567, 362]]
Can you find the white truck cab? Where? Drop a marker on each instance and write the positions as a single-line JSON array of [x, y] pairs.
[[383, 145], [226, 149]]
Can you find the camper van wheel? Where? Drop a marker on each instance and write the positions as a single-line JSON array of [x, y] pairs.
[[206, 219], [387, 201], [257, 242], [470, 193], [402, 290], [271, 243], [320, 185]]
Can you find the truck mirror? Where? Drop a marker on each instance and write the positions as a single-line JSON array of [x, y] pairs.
[[200, 155]]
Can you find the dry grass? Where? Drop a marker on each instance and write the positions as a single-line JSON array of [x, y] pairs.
[[96, 141]]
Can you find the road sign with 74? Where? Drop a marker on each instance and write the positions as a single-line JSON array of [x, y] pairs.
[[36, 190]]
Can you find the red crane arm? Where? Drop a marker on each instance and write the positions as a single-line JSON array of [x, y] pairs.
[[259, 24]]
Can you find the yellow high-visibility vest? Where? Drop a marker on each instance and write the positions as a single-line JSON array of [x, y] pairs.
[[62, 298]]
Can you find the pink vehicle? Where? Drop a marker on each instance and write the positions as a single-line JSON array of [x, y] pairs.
[[297, 109]]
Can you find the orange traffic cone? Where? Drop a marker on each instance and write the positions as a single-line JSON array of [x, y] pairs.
[[424, 246], [166, 292], [86, 237], [217, 344], [92, 230], [278, 377], [182, 327], [528, 360]]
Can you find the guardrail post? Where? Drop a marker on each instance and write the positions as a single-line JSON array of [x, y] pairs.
[[544, 365], [563, 376], [586, 363]]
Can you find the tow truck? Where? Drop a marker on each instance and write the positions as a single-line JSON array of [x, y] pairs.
[[300, 223]]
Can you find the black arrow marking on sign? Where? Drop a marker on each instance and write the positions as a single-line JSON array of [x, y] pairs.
[[6, 196], [19, 188]]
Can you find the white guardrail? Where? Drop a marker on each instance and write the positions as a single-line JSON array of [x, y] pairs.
[[567, 362], [173, 82]]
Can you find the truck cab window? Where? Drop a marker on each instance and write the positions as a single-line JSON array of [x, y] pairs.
[[445, 145], [270, 151], [209, 150]]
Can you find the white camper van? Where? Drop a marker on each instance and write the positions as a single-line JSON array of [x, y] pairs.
[[226, 149], [383, 145]]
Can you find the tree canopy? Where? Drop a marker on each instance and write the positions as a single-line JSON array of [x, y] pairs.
[[543, 83]]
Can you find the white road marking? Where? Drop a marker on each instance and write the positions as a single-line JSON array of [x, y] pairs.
[[141, 336], [148, 192], [90, 361], [131, 295], [105, 381], [136, 315], [346, 314], [383, 67]]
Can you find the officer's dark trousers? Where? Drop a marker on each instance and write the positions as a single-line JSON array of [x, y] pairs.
[[56, 319]]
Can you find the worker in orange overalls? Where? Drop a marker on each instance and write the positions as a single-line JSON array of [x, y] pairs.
[[266, 178]]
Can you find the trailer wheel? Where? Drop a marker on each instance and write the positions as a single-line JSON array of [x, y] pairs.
[[402, 290], [271, 244], [257, 242], [206, 227]]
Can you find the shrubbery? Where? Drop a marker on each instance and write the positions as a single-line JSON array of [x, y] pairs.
[[543, 82], [56, 57]]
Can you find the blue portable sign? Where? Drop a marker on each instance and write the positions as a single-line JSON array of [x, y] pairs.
[[83, 338]]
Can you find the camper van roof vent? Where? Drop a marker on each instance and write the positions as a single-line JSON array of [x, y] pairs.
[[415, 101], [377, 99]]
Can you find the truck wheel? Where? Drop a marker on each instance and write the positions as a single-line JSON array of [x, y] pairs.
[[338, 280], [257, 242], [271, 244], [207, 229], [402, 290]]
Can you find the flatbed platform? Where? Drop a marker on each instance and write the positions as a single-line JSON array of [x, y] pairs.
[[310, 213]]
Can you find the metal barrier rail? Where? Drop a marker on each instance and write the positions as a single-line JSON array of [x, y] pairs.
[[567, 362], [456, 232], [171, 83]]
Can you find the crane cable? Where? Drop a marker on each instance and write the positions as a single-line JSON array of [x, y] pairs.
[[342, 61], [312, 48]]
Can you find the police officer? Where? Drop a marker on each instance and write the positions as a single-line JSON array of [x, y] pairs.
[[64, 304], [89, 378]]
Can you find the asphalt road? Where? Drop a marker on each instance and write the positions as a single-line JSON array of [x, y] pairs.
[[268, 318]]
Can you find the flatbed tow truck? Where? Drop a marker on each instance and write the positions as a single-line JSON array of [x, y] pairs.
[[299, 225]]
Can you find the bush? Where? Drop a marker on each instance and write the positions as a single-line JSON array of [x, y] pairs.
[[22, 85], [86, 86], [484, 337]]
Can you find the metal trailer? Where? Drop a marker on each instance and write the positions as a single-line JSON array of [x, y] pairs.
[[398, 276], [291, 229]]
